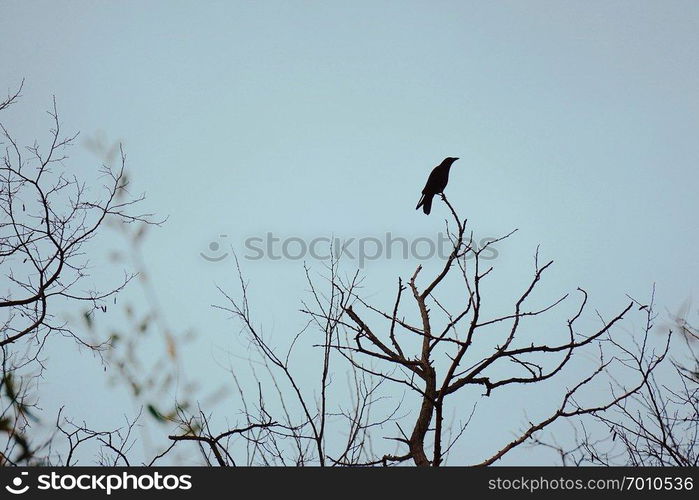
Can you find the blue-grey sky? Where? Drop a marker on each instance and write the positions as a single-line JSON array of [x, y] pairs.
[[574, 121]]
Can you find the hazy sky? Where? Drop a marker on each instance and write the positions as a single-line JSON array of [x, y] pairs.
[[574, 121]]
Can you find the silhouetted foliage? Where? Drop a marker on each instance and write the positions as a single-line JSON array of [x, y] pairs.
[[432, 360], [657, 426], [47, 217]]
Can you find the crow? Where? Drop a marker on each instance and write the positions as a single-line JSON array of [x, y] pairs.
[[436, 183]]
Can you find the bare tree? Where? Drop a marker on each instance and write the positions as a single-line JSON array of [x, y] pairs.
[[433, 358], [48, 214], [657, 426]]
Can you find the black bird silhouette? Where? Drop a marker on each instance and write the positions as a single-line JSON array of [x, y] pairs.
[[436, 183]]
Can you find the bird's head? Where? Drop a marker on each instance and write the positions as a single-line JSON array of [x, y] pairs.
[[449, 160]]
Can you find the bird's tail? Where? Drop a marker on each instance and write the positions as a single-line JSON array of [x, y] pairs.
[[426, 203]]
